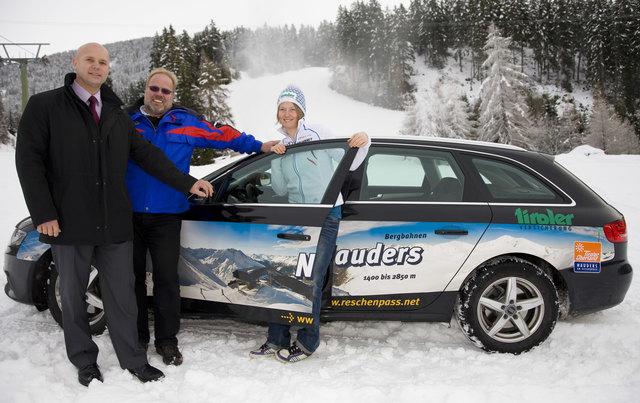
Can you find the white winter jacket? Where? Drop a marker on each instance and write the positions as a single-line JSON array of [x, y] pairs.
[[304, 176]]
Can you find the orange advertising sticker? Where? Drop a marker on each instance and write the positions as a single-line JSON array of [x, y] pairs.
[[586, 256]]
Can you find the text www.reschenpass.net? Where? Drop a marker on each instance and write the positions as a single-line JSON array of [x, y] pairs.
[[375, 303]]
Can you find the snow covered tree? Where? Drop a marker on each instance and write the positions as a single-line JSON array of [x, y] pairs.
[[514, 23], [441, 112], [210, 44], [416, 26], [187, 73], [134, 91], [13, 120], [4, 129], [212, 97], [362, 51], [314, 48], [398, 81], [211, 92], [573, 125], [625, 40], [503, 110], [608, 132], [459, 32], [552, 133], [235, 43], [542, 31], [480, 16], [177, 54], [373, 57], [165, 51], [325, 46], [269, 50], [435, 23]]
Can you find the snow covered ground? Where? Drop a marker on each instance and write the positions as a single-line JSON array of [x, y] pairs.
[[594, 358]]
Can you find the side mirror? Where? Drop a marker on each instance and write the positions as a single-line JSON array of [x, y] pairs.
[[202, 201]]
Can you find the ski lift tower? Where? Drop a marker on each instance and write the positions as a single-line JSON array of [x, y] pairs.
[[22, 63]]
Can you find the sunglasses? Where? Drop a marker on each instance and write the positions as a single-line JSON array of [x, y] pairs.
[[165, 91]]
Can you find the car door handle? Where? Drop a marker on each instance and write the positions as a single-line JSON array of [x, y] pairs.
[[452, 232], [295, 237]]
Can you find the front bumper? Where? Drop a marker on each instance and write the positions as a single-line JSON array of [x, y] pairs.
[[22, 285]]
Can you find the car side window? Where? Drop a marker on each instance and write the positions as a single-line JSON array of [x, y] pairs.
[[299, 176], [509, 183], [415, 175]]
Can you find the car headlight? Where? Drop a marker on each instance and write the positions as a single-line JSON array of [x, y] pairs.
[[17, 237]]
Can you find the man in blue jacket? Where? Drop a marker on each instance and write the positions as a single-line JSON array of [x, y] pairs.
[[157, 207]]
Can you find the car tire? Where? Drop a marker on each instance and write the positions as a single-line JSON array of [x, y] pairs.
[[95, 311], [508, 307]]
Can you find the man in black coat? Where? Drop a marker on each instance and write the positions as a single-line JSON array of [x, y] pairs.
[[72, 151]]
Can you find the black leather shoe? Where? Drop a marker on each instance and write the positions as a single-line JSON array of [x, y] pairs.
[[147, 373], [170, 354], [89, 373]]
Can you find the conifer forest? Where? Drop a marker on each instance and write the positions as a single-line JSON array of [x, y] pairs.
[[522, 62]]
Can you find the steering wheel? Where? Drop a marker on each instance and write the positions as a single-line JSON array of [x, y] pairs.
[[237, 195], [252, 192]]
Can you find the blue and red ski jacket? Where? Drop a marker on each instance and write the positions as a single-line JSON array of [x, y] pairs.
[[178, 133]]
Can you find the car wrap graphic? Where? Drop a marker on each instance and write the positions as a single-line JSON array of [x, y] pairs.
[[392, 263], [248, 264], [377, 265], [252, 264], [587, 257], [388, 258], [547, 217], [369, 254], [31, 248], [554, 244]]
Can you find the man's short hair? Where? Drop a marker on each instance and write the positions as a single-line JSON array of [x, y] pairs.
[[162, 70]]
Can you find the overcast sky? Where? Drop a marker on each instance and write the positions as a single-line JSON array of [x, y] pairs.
[[67, 24]]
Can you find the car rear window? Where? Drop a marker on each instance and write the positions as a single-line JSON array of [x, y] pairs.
[[509, 183]]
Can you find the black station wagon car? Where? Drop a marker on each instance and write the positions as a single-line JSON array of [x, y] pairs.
[[505, 239]]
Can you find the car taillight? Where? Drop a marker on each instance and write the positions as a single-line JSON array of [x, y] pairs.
[[616, 231]]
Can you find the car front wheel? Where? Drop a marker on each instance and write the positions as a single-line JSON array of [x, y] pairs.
[[95, 310], [509, 307]]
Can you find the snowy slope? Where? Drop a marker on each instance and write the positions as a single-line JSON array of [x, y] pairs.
[[594, 358]]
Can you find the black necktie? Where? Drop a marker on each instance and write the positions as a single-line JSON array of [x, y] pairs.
[[94, 112]]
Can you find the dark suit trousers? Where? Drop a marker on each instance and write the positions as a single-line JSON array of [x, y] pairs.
[[115, 268], [159, 235]]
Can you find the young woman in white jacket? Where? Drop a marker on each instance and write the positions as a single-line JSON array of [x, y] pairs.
[[304, 178]]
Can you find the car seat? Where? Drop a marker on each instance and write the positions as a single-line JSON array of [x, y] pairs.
[[448, 189]]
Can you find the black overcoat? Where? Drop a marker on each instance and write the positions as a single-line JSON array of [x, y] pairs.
[[73, 170]]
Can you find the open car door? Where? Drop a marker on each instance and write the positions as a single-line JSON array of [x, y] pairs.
[[248, 251]]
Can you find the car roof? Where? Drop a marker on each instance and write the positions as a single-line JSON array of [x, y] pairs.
[[446, 141], [516, 153], [460, 144]]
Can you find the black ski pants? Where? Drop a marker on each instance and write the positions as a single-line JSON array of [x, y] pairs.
[[159, 236]]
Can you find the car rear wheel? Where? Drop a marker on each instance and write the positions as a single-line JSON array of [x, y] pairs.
[[509, 307], [95, 310]]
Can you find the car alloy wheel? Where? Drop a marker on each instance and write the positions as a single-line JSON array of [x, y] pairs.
[[508, 307]]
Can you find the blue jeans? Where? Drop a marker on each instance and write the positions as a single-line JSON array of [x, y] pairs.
[[309, 337]]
